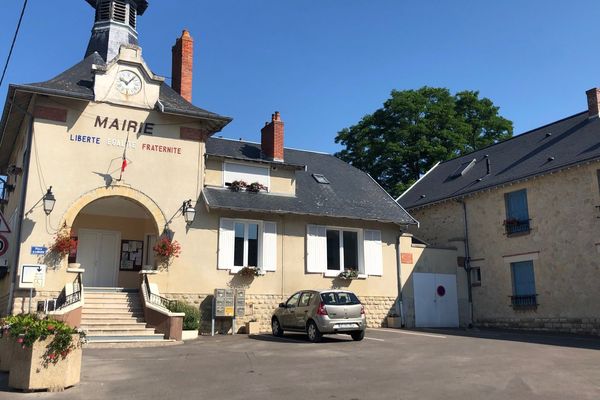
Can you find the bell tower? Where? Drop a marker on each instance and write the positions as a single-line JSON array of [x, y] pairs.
[[114, 25]]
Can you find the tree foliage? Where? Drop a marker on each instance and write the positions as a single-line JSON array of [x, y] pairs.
[[417, 128]]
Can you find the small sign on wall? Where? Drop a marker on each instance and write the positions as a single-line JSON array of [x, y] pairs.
[[38, 250], [406, 258], [32, 276]]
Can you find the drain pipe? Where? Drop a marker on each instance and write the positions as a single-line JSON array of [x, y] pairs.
[[467, 264], [21, 213], [399, 306]]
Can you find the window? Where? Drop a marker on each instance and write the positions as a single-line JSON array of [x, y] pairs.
[[475, 276], [523, 280], [517, 214], [247, 243], [245, 172], [305, 299], [293, 301], [330, 250], [320, 178], [342, 250], [339, 298]]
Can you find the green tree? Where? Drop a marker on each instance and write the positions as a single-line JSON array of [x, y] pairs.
[[417, 128]]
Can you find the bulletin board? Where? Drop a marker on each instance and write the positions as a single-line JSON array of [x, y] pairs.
[[131, 255]]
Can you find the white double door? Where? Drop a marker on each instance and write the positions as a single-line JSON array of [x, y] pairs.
[[98, 253], [436, 300]]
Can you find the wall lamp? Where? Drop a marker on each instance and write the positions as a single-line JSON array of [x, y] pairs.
[[49, 201], [188, 211]]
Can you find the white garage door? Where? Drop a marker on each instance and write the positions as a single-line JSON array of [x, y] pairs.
[[436, 302]]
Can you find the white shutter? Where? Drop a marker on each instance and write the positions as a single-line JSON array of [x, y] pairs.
[[226, 244], [316, 248], [269, 246], [373, 253]]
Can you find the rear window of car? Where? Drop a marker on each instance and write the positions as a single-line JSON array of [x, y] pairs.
[[339, 298]]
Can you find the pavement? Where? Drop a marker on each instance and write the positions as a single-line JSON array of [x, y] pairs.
[[388, 364]]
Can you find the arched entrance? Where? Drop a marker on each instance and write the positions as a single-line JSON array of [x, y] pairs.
[[115, 235]]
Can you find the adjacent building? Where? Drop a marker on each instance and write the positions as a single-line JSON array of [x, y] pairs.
[[525, 214]]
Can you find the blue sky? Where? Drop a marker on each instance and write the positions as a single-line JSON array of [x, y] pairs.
[[324, 64]]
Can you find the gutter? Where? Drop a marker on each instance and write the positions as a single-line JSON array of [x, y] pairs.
[[399, 305]]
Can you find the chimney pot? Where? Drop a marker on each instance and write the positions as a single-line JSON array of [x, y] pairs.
[[593, 99], [271, 141], [183, 65]]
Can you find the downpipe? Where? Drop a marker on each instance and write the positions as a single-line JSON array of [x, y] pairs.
[[467, 264]]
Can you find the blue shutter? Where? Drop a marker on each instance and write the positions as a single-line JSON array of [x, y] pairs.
[[516, 205], [523, 278]]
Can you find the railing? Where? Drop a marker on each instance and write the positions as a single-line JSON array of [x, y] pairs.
[[524, 301], [65, 300], [515, 226], [156, 299]]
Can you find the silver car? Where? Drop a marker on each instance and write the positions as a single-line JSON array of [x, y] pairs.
[[319, 312]]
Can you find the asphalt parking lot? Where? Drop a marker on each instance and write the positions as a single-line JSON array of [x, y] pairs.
[[388, 364]]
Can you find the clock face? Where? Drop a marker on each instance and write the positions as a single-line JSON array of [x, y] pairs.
[[128, 83]]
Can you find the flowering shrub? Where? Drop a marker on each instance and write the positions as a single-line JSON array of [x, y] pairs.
[[166, 249], [63, 244], [249, 272], [255, 187], [29, 328], [348, 274], [237, 186]]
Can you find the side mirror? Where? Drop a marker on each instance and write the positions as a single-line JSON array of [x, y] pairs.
[[281, 305]]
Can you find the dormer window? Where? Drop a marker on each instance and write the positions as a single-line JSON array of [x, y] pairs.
[[247, 173]]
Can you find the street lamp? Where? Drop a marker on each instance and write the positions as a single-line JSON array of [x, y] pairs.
[[188, 211], [49, 201]]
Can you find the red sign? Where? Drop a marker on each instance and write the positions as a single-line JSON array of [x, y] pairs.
[[406, 258], [3, 245]]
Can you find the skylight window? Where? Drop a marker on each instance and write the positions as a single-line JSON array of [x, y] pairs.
[[321, 179], [463, 169]]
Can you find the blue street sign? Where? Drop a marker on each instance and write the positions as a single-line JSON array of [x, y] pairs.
[[39, 250]]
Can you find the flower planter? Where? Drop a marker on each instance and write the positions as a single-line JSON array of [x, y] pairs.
[[394, 322], [28, 372], [6, 352], [253, 328], [189, 335]]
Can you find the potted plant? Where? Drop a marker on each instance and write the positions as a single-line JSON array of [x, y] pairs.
[[64, 243], [253, 327], [166, 250], [191, 321], [6, 346], [255, 187], [249, 272], [348, 274], [394, 321], [46, 353], [237, 186]]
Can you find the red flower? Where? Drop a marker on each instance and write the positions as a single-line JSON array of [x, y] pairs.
[[51, 356], [51, 327], [20, 340]]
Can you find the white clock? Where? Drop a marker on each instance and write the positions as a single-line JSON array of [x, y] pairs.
[[128, 83]]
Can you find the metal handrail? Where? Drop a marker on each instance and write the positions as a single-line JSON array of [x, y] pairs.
[[524, 301], [156, 299], [517, 227], [63, 300]]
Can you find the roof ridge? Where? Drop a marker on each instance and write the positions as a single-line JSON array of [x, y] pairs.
[[288, 148], [516, 136]]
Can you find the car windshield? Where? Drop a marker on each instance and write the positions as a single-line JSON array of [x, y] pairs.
[[339, 298]]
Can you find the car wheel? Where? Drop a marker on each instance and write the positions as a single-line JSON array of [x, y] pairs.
[[276, 328], [358, 335], [314, 335]]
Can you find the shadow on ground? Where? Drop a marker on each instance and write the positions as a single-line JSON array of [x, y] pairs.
[[546, 338], [299, 338]]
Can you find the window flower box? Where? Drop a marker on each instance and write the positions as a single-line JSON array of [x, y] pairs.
[[348, 274], [249, 272], [6, 351]]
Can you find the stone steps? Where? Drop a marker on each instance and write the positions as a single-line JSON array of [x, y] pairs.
[[115, 315]]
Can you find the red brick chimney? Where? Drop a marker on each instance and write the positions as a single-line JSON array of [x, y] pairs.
[[183, 64], [271, 140], [593, 98]]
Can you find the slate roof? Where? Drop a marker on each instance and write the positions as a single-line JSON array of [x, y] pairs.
[[78, 82], [567, 142], [350, 194]]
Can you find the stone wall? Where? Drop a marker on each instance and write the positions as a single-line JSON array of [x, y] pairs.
[[261, 307], [567, 325], [21, 301]]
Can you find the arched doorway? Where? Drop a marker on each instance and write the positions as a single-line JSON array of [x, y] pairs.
[[115, 235]]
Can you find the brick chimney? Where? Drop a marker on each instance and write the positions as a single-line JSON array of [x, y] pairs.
[[271, 140], [593, 99], [183, 64]]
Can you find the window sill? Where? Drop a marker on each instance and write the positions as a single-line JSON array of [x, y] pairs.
[[335, 274]]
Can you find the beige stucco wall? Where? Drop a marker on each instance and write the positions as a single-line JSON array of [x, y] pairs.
[[282, 180], [563, 240]]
